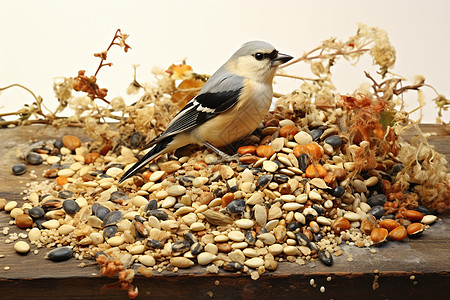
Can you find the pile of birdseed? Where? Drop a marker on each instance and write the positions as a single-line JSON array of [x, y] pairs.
[[294, 195]]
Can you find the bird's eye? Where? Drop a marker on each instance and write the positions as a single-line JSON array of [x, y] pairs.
[[259, 56]]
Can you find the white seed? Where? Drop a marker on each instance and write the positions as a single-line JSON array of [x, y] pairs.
[[278, 143], [205, 258], [260, 214], [237, 256], [247, 176], [352, 217], [190, 218], [96, 237], [286, 122], [288, 198], [315, 196], [292, 206], [211, 248], [328, 204], [169, 225], [364, 207], [247, 187], [221, 238], [250, 252], [197, 226], [429, 219], [176, 190], [147, 260], [359, 186], [305, 250], [323, 221], [161, 194], [236, 236], [259, 162], [349, 166], [157, 176], [10, 206], [154, 222], [214, 203], [275, 249], [53, 159], [169, 202], [319, 182], [310, 211], [291, 250], [284, 160], [22, 247], [302, 198], [267, 238], [244, 223], [199, 181], [239, 245], [147, 186], [299, 217], [254, 262], [77, 166], [138, 201], [51, 224], [116, 241], [181, 262], [65, 151], [272, 224], [130, 215], [81, 201], [184, 210], [136, 249], [67, 172], [34, 234], [255, 198], [371, 181], [65, 229], [303, 138], [270, 166]]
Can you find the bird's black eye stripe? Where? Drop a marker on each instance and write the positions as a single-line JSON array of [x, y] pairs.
[[273, 55], [260, 56]]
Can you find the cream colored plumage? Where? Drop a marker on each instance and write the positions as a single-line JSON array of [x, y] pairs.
[[230, 105]]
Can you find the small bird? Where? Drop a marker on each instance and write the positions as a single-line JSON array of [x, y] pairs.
[[230, 105]]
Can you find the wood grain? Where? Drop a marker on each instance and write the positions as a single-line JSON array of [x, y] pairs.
[[33, 277]]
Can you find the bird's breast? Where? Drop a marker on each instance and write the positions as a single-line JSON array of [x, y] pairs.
[[241, 119]]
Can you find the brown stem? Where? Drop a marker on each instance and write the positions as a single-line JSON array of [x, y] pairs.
[[109, 47], [322, 56]]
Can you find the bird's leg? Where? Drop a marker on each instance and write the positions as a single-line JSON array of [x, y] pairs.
[[223, 156]]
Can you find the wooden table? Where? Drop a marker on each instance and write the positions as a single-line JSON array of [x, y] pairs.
[[416, 268]]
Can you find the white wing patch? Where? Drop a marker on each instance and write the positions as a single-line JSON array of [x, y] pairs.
[[203, 109]]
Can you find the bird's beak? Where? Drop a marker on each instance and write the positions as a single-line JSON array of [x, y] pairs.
[[281, 59]]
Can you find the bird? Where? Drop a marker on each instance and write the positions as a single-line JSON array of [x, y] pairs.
[[230, 106]]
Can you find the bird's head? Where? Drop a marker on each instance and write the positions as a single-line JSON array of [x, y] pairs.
[[257, 60]]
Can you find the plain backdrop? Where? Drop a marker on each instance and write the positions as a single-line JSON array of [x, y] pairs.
[[42, 40]]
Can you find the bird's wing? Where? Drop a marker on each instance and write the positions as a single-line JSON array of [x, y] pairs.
[[217, 96]]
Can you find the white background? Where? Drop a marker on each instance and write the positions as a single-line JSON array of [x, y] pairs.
[[41, 40]]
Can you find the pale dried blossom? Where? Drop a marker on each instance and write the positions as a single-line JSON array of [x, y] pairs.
[[63, 88], [427, 170], [382, 51], [118, 104]]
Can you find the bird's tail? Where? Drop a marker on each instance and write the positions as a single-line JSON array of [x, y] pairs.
[[155, 151]]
